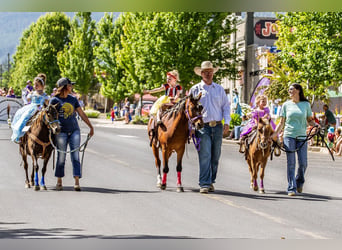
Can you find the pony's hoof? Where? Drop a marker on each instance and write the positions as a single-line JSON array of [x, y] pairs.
[[27, 185], [36, 188], [255, 188], [163, 186], [262, 191], [180, 189], [43, 187]]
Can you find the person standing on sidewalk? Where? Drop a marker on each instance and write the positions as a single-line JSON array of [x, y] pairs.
[[330, 120], [295, 115], [70, 131], [215, 108]]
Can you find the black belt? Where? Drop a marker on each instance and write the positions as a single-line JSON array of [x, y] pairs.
[[213, 123]]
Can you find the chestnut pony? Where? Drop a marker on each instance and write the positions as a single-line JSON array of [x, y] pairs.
[[258, 151], [174, 133], [36, 143]]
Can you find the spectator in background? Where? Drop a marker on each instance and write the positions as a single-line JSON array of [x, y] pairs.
[[10, 93], [238, 129], [236, 103], [116, 110], [112, 114], [331, 137], [127, 106], [338, 141], [53, 92], [329, 117]]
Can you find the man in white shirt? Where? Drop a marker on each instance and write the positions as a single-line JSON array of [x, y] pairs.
[[215, 108]]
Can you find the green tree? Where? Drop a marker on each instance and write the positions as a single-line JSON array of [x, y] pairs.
[[311, 54], [109, 72], [76, 59], [38, 48], [154, 43]]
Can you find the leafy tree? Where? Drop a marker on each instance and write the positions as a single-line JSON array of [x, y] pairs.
[[76, 59], [38, 48], [109, 72], [154, 43], [311, 54]]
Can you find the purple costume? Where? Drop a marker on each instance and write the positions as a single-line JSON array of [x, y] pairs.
[[256, 114]]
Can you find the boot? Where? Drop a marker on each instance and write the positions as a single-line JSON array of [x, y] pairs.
[[242, 144]]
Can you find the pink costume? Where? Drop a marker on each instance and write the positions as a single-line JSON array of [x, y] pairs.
[[255, 117]]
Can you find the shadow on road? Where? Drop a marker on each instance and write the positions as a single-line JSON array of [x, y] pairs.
[[103, 190], [273, 195], [68, 233]]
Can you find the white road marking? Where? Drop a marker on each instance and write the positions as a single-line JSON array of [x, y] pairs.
[[262, 214]]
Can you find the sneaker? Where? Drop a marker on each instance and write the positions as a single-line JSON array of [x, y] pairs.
[[211, 188], [77, 188], [59, 187], [291, 194], [204, 190]]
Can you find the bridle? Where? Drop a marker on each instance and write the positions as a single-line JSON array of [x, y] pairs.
[[192, 126], [48, 125]]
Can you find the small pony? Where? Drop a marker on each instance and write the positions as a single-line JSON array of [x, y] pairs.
[[36, 143], [172, 136], [258, 149]]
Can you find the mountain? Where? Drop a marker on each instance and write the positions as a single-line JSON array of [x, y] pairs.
[[14, 23]]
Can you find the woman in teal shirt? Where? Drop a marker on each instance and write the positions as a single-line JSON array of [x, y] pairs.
[[295, 116]]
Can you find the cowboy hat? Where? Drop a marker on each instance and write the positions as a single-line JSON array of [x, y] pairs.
[[205, 65]]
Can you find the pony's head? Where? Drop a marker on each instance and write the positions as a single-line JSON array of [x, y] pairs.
[[194, 110], [265, 132], [51, 118]]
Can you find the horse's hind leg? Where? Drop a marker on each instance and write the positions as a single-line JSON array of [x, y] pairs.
[[179, 170], [24, 157], [157, 162], [165, 167]]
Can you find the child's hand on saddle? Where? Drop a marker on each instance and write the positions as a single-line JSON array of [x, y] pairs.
[[146, 91]]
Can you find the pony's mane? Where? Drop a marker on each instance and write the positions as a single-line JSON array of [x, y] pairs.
[[36, 118], [178, 107]]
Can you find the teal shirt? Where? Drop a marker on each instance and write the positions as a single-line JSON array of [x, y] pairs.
[[296, 115]]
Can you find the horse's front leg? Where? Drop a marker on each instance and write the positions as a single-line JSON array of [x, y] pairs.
[[42, 180], [180, 154], [24, 157], [262, 172], [165, 167], [35, 169]]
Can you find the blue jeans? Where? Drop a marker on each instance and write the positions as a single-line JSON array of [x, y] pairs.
[[209, 154], [62, 141], [292, 144]]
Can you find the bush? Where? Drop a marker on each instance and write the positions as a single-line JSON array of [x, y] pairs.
[[92, 113], [140, 120], [235, 120]]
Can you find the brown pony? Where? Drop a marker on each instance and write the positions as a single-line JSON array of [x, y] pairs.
[[36, 143], [258, 151], [174, 134]]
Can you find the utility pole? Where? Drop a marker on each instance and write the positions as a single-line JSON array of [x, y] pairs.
[[1, 75], [249, 39]]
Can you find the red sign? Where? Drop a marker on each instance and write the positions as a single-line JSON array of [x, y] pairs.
[[266, 29]]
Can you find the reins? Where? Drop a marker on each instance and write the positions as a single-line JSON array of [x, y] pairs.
[[308, 137]]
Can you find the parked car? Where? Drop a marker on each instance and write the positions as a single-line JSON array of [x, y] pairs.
[[146, 107]]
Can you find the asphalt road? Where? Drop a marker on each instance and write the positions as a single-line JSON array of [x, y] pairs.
[[119, 197]]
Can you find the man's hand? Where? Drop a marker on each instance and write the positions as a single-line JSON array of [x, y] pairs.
[[226, 129]]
